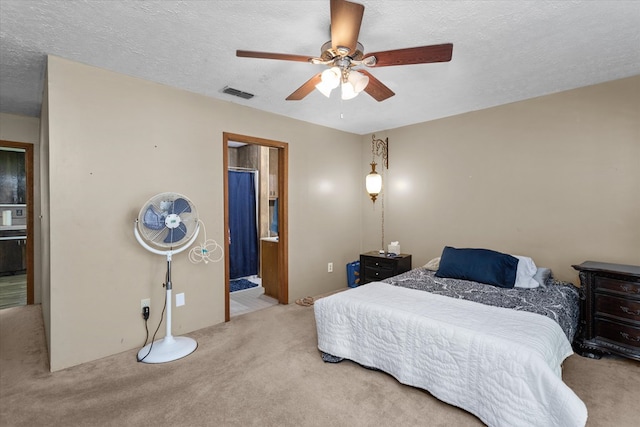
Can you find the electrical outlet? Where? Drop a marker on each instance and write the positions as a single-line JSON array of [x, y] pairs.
[[145, 303], [330, 267], [179, 300]]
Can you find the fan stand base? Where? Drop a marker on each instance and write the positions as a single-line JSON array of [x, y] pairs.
[[167, 349]]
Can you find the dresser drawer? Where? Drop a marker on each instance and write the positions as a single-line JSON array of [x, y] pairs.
[[622, 334], [618, 286], [375, 274], [619, 307], [379, 264]]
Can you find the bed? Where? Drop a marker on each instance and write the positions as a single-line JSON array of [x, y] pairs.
[[494, 351]]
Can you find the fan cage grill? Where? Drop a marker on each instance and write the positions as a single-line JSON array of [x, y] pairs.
[[157, 231]]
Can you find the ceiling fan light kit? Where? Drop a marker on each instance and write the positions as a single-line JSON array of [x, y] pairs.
[[343, 53]]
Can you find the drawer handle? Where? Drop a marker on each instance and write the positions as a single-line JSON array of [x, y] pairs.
[[629, 289], [626, 336], [626, 310]]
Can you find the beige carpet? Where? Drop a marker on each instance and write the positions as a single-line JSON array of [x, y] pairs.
[[261, 369]]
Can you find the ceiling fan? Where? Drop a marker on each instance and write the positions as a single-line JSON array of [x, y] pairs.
[[343, 53]]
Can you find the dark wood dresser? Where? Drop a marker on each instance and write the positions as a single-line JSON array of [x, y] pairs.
[[609, 311], [375, 266]]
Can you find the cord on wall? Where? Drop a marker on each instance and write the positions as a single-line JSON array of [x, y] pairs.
[[205, 251]]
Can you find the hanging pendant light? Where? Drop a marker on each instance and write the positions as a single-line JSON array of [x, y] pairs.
[[373, 183]]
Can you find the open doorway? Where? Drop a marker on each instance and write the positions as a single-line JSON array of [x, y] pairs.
[[267, 176], [16, 225]]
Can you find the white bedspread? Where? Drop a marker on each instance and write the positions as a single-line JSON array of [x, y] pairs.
[[502, 365]]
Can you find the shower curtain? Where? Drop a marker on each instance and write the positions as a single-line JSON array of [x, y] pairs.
[[243, 229]]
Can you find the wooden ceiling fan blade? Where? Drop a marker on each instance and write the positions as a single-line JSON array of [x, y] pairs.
[[376, 88], [268, 55], [412, 55], [305, 89], [346, 18]]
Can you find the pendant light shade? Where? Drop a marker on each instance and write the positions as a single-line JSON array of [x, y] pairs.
[[373, 182]]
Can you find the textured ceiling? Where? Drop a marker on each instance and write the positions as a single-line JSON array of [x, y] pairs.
[[504, 51]]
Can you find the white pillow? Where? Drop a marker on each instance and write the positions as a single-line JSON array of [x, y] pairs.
[[434, 264], [542, 275], [525, 272]]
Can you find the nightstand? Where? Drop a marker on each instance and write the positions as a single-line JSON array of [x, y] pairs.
[[375, 266], [609, 311]]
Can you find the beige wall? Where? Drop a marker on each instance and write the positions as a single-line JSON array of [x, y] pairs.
[[19, 128], [115, 141], [43, 267], [556, 178]]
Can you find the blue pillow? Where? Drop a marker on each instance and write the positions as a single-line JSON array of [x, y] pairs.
[[479, 265]]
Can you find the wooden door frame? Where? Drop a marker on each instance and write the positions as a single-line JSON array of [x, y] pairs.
[[28, 148], [283, 212]]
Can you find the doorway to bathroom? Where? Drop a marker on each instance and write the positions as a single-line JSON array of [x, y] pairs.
[[255, 208]]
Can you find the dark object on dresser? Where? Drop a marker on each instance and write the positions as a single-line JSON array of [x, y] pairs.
[[609, 311], [375, 266]]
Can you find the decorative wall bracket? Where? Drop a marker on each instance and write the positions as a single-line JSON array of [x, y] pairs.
[[380, 148]]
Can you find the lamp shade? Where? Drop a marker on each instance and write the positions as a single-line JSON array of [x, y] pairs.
[[331, 77], [324, 89], [329, 80], [373, 182], [358, 80], [347, 91]]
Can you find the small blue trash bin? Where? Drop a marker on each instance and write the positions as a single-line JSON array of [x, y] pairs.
[[353, 274]]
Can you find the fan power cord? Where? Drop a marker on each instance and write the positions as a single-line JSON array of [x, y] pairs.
[[204, 251], [153, 339]]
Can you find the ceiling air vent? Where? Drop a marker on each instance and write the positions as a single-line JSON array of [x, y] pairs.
[[236, 92]]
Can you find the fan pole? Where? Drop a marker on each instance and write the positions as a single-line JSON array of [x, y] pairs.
[[168, 288], [168, 348]]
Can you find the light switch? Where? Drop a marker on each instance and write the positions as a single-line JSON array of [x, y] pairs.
[[179, 300]]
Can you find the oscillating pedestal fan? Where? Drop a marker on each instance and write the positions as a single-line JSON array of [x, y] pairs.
[[167, 225]]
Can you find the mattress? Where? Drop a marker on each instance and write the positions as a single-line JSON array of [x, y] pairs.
[[500, 364]]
